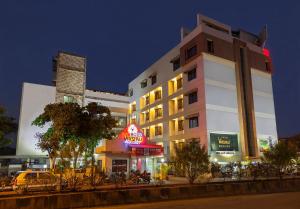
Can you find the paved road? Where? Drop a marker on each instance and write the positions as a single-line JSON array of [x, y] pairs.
[[266, 201]]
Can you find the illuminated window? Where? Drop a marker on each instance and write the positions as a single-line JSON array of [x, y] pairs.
[[179, 83], [180, 104], [147, 116], [180, 125], [157, 95], [158, 130], [133, 120], [147, 100], [179, 145], [158, 112], [193, 122], [193, 97], [133, 107], [69, 99]]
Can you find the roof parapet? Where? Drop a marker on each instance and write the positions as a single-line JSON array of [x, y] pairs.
[[184, 32], [201, 19]]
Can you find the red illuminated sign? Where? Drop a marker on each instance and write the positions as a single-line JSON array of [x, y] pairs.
[[137, 142], [132, 135], [267, 54]]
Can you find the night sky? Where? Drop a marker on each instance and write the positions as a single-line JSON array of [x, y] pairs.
[[122, 38]]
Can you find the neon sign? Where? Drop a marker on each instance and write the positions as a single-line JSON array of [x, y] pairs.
[[266, 52], [132, 135]]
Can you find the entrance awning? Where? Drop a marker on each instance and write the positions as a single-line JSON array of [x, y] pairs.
[[145, 146]]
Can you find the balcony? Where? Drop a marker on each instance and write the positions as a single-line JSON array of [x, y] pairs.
[[175, 84], [176, 105], [176, 126], [151, 97]]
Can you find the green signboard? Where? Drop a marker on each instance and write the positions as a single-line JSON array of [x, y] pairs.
[[224, 142], [264, 145]]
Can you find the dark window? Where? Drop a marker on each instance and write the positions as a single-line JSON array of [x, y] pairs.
[[158, 130], [193, 122], [176, 64], [158, 112], [179, 83], [144, 83], [153, 79], [268, 66], [99, 164], [180, 125], [193, 97], [147, 132], [210, 46], [130, 92], [157, 95], [180, 103], [119, 165], [147, 100], [191, 52], [192, 74]]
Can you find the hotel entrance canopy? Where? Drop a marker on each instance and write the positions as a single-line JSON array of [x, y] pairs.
[[137, 143]]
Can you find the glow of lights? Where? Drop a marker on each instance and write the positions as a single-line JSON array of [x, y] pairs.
[[266, 52]]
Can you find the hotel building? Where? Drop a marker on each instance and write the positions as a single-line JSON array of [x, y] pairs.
[[215, 86]]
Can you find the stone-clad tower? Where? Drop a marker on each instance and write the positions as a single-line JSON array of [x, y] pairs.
[[69, 77]]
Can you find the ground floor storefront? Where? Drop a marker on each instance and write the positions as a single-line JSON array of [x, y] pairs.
[[130, 152]]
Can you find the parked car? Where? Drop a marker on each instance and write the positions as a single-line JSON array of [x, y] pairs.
[[34, 180]]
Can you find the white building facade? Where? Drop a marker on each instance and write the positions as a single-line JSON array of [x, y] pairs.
[[214, 86]]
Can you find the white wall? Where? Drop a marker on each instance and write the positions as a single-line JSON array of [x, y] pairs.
[[34, 98], [107, 99], [221, 96], [221, 102], [264, 104]]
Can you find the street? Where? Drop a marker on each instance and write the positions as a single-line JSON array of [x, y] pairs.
[[266, 201]]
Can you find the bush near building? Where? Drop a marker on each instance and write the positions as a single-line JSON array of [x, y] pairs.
[[191, 160]]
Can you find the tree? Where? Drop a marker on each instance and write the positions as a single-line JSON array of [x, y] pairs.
[[192, 159], [64, 120], [7, 126], [74, 130], [96, 124], [47, 142], [280, 156]]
